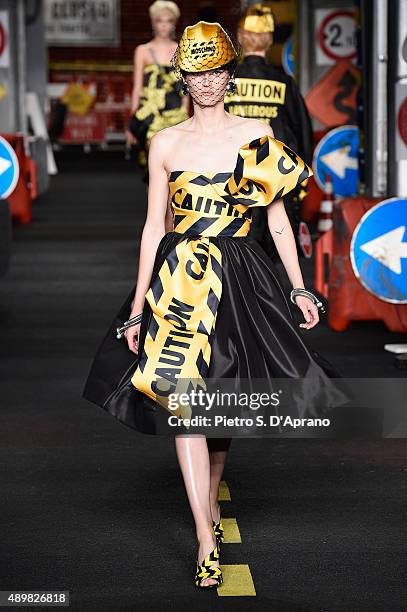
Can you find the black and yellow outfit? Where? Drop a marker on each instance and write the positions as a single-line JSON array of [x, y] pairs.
[[160, 105], [266, 93], [215, 308]]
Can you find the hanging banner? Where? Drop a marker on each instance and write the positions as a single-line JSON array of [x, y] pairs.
[[89, 23]]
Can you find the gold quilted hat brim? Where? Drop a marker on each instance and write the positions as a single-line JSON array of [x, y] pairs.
[[204, 46]]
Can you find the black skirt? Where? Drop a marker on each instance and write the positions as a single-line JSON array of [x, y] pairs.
[[255, 337]]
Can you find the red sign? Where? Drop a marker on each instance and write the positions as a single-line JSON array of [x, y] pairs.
[[3, 38], [333, 99], [84, 128], [402, 121], [336, 35], [304, 238], [109, 112]]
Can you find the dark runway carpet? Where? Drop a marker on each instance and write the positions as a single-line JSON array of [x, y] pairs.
[[94, 508]]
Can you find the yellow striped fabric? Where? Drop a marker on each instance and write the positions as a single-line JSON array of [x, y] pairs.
[[185, 293]]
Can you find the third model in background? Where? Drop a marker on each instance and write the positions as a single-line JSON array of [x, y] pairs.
[[266, 93]]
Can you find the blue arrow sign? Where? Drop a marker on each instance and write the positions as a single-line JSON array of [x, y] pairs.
[[336, 155], [9, 169], [378, 250], [287, 57]]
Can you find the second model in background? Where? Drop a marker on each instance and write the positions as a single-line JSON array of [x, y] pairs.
[[157, 98]]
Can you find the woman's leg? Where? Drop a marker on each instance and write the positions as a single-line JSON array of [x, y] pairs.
[[193, 457], [218, 451]]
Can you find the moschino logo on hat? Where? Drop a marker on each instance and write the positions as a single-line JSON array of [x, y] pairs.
[[203, 49]]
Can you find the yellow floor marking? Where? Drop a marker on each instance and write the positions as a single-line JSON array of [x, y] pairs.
[[237, 581], [231, 531], [224, 493]]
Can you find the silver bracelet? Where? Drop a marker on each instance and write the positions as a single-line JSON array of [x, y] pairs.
[[133, 321], [308, 294]]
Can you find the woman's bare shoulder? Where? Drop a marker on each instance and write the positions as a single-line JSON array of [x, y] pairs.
[[140, 52], [249, 129], [169, 137], [256, 128]]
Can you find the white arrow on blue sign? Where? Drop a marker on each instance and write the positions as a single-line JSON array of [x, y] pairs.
[[378, 250], [336, 155], [9, 169]]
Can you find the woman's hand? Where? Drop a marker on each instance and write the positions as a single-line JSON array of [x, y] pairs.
[[309, 310], [132, 335]]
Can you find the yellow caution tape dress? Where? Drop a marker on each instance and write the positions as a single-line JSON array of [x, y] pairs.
[[211, 213]]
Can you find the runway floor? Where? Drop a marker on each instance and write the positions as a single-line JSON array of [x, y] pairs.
[[92, 507]]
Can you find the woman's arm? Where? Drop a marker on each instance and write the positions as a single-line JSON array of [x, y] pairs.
[[154, 227], [138, 68], [283, 236]]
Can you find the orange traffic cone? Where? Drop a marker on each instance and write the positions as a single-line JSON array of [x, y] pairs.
[[326, 207]]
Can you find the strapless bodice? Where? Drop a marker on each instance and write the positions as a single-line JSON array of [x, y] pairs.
[[218, 204], [201, 205]]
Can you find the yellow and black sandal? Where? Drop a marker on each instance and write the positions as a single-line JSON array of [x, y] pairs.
[[207, 570], [219, 532]]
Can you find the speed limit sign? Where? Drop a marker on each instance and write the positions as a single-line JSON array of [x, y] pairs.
[[335, 33]]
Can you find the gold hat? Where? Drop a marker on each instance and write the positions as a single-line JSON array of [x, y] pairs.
[[258, 18], [204, 46]]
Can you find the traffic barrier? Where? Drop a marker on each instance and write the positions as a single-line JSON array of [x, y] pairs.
[[323, 248], [335, 278], [25, 191], [6, 234], [326, 207]]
